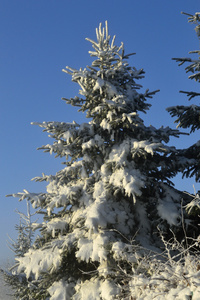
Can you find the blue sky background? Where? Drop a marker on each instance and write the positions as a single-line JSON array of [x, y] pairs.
[[40, 37]]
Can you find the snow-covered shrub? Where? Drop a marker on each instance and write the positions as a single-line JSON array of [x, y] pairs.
[[171, 274]]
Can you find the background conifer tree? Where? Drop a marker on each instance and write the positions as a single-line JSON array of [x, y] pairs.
[[22, 245], [116, 185], [25, 233], [189, 117]]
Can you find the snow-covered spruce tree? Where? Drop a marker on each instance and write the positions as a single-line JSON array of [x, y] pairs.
[[189, 117], [116, 186]]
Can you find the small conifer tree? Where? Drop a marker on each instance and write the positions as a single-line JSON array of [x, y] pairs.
[[24, 233], [116, 185], [22, 245]]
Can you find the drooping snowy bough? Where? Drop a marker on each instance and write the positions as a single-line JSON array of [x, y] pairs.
[[113, 192]]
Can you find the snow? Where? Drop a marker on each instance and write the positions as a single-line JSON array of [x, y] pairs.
[[111, 90], [131, 181], [97, 141], [167, 207], [124, 176], [92, 249], [168, 211], [106, 125], [95, 289], [89, 290], [99, 84], [39, 261], [56, 225], [61, 290], [68, 135], [124, 251], [85, 249], [109, 290], [147, 146], [96, 216]]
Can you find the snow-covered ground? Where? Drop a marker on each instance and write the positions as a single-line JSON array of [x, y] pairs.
[[5, 291]]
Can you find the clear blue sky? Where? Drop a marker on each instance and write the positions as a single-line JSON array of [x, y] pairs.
[[39, 38]]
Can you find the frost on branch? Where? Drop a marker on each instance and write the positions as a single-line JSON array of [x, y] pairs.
[[114, 189]]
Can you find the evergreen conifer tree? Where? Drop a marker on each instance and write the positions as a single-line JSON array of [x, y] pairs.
[[25, 233], [115, 188], [23, 243], [189, 117]]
